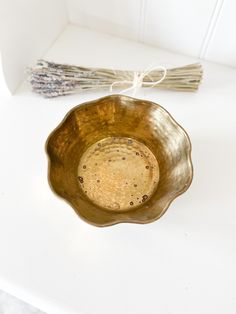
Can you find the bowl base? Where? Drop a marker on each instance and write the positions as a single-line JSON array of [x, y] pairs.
[[118, 173]]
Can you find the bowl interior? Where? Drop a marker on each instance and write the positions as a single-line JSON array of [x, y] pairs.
[[119, 159]]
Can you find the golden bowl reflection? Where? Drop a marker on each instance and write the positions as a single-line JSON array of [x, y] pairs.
[[119, 159]]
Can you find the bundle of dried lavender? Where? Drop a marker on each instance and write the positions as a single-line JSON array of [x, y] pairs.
[[52, 79]]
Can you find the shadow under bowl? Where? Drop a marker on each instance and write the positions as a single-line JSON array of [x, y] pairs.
[[119, 159]]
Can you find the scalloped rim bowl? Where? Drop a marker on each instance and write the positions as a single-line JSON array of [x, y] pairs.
[[119, 159]]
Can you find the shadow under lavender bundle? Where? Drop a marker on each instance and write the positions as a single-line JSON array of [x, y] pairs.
[[53, 79]]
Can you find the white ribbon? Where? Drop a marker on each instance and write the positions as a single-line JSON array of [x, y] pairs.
[[138, 82]]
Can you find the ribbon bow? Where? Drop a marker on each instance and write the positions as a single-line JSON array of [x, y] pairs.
[[138, 80]]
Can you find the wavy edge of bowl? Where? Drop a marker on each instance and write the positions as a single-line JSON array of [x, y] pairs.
[[165, 208]]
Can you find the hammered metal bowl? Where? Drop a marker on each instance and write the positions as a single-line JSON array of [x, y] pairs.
[[119, 159]]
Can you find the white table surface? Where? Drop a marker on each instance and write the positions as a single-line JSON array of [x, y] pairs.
[[183, 263]]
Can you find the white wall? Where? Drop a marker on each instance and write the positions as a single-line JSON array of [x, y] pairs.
[[118, 17], [27, 29], [200, 28], [222, 44]]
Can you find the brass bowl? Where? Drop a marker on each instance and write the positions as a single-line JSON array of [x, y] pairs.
[[119, 159]]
